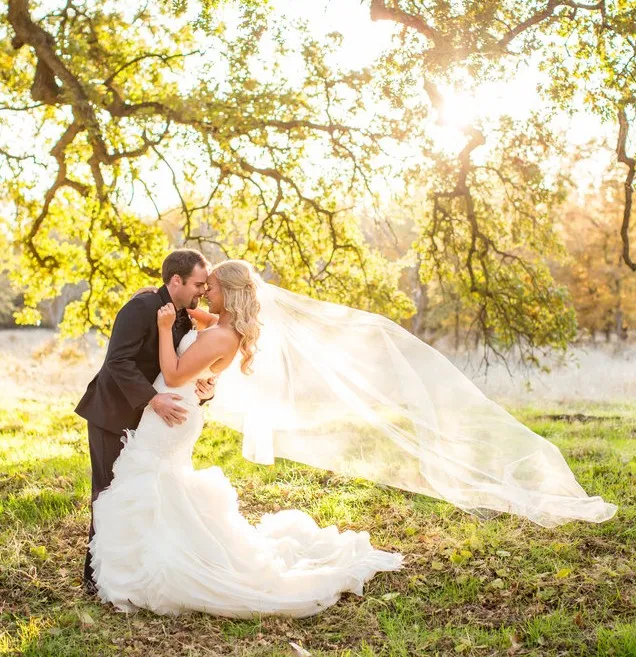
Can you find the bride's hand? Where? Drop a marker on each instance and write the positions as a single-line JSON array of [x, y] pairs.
[[203, 318], [145, 290], [166, 316]]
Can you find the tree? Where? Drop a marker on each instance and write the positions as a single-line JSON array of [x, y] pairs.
[[103, 92], [279, 167], [488, 227], [603, 290], [589, 50]]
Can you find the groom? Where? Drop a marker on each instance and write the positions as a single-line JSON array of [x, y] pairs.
[[115, 399]]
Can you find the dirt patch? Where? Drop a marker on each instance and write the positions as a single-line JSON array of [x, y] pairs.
[[577, 417]]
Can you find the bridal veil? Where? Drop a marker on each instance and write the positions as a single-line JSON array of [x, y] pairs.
[[353, 392]]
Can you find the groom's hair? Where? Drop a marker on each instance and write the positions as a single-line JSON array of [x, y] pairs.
[[182, 262]]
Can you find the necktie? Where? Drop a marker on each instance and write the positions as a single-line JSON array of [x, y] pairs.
[[182, 322]]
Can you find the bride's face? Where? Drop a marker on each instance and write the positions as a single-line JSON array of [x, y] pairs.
[[214, 295]]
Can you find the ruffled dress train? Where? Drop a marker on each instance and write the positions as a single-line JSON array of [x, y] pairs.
[[170, 538]]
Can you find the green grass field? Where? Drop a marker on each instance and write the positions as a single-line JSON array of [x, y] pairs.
[[503, 587]]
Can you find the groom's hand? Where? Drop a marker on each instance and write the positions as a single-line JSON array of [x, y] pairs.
[[205, 388], [164, 404], [145, 290]]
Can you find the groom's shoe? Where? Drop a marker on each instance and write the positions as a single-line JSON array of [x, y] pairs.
[[89, 587]]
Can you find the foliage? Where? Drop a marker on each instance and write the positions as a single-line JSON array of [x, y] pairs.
[[603, 289], [143, 91], [487, 219], [275, 153]]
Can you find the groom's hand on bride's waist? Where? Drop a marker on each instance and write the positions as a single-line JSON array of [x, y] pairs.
[[205, 389], [165, 405]]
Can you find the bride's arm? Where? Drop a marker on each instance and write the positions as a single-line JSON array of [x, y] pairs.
[[206, 351], [203, 318]]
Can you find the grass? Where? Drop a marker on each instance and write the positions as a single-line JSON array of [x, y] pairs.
[[503, 587]]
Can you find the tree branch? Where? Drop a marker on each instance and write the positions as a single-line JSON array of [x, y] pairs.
[[630, 162], [380, 12], [61, 180]]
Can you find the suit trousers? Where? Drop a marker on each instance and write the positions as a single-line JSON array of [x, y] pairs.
[[105, 447]]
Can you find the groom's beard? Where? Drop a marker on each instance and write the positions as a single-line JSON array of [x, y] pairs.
[[194, 303]]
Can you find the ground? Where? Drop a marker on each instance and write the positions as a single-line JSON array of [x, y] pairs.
[[501, 587]]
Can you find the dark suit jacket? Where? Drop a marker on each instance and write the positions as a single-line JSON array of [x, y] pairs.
[[117, 396]]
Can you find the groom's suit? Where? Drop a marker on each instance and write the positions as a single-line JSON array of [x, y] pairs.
[[115, 399]]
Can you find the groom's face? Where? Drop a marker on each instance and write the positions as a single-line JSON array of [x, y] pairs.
[[191, 289]]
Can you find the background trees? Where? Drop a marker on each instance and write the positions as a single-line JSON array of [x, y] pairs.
[[603, 290], [278, 152]]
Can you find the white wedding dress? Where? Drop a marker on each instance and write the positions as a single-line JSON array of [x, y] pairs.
[[170, 538]]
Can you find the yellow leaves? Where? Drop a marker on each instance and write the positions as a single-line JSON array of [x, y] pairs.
[[28, 316], [558, 547], [39, 552], [562, 573], [27, 634], [475, 543], [392, 595], [84, 617], [460, 557], [417, 581]]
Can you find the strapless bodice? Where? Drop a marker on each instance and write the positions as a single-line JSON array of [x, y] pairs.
[[172, 444], [186, 390]]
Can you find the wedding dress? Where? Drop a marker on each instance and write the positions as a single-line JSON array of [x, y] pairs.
[[170, 538]]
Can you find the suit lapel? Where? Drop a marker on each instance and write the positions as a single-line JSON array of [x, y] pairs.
[[179, 328]]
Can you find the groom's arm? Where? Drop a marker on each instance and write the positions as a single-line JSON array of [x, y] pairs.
[[131, 329]]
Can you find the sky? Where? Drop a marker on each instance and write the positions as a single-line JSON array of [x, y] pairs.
[[364, 40]]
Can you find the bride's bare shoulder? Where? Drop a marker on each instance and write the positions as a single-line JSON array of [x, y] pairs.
[[223, 334]]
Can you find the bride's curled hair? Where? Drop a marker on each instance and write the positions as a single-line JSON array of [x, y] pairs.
[[236, 277]]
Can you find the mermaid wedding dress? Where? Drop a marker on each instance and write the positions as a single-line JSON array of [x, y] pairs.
[[170, 538]]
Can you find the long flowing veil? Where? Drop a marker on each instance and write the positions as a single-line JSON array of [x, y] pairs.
[[352, 392]]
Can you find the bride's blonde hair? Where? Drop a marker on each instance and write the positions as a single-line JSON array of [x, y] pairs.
[[239, 294]]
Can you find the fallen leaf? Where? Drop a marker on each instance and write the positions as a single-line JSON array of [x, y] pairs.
[[476, 543], [390, 596], [515, 644], [40, 552], [84, 617], [299, 651]]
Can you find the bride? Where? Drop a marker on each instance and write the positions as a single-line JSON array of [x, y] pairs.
[[329, 386], [170, 538]]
